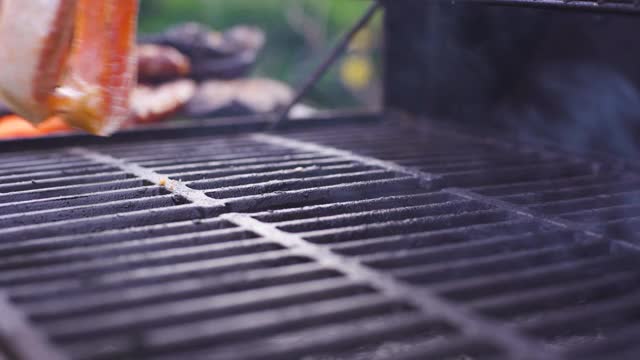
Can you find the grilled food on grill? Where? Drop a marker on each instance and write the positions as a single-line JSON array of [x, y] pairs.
[[73, 58], [161, 63], [155, 103], [214, 55], [238, 97]]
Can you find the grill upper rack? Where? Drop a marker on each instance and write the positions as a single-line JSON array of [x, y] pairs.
[[364, 240], [622, 6]]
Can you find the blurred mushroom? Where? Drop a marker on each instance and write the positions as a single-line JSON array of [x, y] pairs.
[[157, 103], [244, 37], [158, 63], [194, 40], [214, 55], [238, 97]]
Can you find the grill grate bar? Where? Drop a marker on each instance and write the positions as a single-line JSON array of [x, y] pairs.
[[543, 185], [485, 266], [41, 163], [175, 147], [164, 285], [465, 250], [312, 182], [235, 181], [43, 175], [338, 208], [63, 181], [241, 328], [354, 191], [153, 177], [25, 206], [84, 211], [201, 240], [69, 164], [102, 223], [520, 280], [258, 169], [445, 237], [552, 221], [224, 253], [71, 190], [345, 337], [111, 236], [139, 277], [399, 227], [556, 297], [194, 159], [424, 178], [574, 192], [377, 215], [254, 160], [148, 316]]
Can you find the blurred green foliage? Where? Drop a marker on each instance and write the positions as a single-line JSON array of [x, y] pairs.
[[292, 26]]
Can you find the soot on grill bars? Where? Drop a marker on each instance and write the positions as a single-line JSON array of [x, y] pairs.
[[487, 207]]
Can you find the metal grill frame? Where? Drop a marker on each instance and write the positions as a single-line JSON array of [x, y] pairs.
[[631, 7]]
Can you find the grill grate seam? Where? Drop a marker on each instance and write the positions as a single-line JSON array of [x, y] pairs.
[[589, 234], [176, 187], [429, 304], [429, 181], [424, 300]]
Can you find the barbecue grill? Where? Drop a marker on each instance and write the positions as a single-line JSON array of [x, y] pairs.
[[412, 233]]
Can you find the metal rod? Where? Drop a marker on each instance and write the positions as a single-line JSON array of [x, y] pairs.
[[319, 72]]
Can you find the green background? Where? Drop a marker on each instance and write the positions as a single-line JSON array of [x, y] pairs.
[[289, 55]]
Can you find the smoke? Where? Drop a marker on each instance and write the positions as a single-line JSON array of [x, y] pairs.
[[583, 106], [572, 79]]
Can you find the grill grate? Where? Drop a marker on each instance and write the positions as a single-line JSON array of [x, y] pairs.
[[599, 198], [358, 241]]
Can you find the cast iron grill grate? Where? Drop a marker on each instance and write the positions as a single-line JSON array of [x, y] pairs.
[[591, 195], [338, 242]]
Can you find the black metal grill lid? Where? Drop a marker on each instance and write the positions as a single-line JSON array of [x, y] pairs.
[[523, 66], [363, 240]]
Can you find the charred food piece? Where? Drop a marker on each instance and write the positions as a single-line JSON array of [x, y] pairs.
[[156, 103], [157, 63], [238, 97], [73, 58], [214, 55]]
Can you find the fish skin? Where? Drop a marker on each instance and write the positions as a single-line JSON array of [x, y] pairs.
[[35, 39], [73, 58]]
